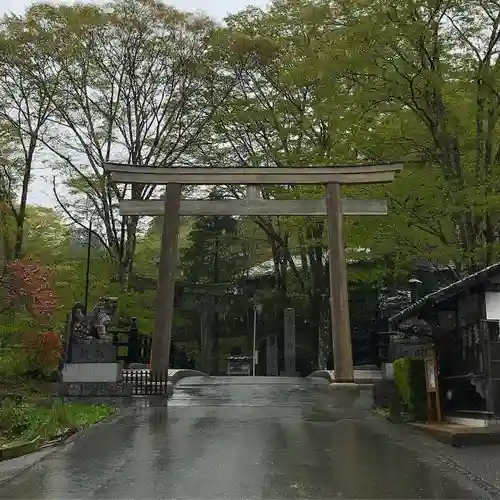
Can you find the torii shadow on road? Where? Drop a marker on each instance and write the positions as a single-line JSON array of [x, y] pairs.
[[172, 207]]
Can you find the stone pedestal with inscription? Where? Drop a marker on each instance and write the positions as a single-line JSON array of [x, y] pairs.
[[402, 348], [93, 371], [272, 355]]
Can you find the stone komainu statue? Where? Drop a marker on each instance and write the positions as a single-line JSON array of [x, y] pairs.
[[93, 326]]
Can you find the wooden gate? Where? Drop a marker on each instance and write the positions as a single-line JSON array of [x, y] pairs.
[[132, 347]]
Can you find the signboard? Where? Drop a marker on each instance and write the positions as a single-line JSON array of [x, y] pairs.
[[289, 342], [406, 348], [93, 352], [430, 374], [272, 355], [239, 365]]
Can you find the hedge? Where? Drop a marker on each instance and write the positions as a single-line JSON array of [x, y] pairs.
[[409, 376]]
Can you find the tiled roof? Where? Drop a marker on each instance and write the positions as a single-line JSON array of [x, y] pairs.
[[446, 292], [267, 268]]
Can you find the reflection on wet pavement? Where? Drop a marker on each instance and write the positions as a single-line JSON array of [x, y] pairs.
[[235, 439]]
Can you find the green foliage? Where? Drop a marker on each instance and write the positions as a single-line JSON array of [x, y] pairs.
[[409, 375], [138, 305], [429, 90], [13, 327], [14, 418], [297, 83], [214, 253], [29, 421], [14, 363], [50, 240]]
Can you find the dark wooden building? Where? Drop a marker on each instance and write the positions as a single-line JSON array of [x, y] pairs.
[[464, 320]]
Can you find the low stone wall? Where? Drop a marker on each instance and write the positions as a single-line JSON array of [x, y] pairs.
[[92, 389]]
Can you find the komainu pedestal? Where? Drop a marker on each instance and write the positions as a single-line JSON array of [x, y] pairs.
[[90, 366], [93, 372]]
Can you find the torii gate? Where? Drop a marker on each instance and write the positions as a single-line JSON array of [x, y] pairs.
[[172, 207]]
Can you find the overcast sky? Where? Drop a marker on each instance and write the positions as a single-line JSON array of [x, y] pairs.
[[41, 190], [216, 8]]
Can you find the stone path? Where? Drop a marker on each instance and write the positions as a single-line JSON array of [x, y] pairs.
[[247, 438]]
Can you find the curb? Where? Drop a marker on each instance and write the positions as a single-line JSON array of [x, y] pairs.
[[184, 373], [459, 437], [362, 377], [112, 419], [354, 386], [19, 450]]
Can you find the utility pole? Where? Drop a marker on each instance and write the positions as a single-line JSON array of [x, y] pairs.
[[87, 270]]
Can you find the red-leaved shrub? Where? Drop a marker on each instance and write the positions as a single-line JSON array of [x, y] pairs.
[[30, 284], [45, 351]]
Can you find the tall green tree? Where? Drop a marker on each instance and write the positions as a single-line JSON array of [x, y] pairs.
[[137, 83], [214, 253], [427, 73], [8, 193], [286, 111], [25, 105]]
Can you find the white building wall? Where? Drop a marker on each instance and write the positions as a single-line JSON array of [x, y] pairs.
[[492, 305]]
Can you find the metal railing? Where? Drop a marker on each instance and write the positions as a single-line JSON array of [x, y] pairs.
[[146, 383]]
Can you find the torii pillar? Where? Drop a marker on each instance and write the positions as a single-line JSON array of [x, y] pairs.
[[160, 347], [339, 302]]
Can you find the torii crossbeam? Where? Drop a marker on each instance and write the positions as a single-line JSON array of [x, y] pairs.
[[333, 206]]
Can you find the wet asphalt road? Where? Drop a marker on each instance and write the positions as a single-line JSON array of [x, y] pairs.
[[244, 439]]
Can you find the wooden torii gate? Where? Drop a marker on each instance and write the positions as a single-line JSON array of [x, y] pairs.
[[172, 207]]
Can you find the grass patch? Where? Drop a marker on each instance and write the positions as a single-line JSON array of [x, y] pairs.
[[20, 423]]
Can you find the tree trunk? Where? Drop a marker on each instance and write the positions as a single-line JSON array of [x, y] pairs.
[[21, 213], [323, 340]]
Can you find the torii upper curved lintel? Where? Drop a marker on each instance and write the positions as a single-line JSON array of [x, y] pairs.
[[341, 174]]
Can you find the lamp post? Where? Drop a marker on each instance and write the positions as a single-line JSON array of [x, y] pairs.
[[257, 309]]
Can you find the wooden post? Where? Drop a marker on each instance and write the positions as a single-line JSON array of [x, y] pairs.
[[432, 385], [339, 305], [160, 349]]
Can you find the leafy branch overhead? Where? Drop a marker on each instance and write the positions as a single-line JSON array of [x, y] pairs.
[[299, 83]]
